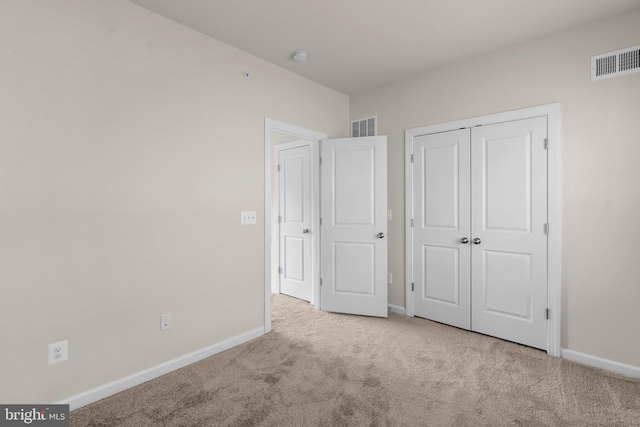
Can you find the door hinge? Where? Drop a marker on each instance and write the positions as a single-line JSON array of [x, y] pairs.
[[279, 218], [279, 270], [412, 287], [320, 221], [320, 161], [278, 168], [321, 282], [546, 143], [412, 158], [546, 228], [411, 222], [547, 313]]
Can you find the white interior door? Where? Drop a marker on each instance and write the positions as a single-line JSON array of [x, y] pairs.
[[442, 228], [294, 216], [354, 225], [509, 215]]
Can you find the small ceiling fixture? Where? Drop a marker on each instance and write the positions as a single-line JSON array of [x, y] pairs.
[[299, 55]]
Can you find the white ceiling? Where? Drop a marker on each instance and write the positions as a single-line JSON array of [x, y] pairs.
[[355, 45]]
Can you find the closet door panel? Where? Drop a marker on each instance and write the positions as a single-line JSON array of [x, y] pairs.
[[508, 215], [441, 223]]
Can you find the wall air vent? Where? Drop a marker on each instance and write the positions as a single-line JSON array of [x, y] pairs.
[[364, 127], [613, 64]]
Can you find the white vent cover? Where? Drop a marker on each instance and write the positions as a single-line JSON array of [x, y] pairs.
[[613, 64], [364, 127]]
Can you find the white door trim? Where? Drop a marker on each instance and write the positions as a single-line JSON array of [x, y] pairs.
[[270, 126], [552, 112]]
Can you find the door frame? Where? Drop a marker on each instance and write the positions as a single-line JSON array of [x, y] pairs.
[[314, 137], [552, 113]]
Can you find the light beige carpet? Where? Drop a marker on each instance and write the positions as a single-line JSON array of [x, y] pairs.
[[324, 369]]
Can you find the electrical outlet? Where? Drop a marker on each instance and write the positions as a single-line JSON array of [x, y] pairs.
[[165, 321], [58, 352], [390, 279], [248, 217]]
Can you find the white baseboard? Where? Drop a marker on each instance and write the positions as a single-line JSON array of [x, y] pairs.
[[599, 362], [397, 309], [106, 390]]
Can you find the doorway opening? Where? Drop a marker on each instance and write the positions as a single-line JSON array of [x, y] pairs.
[[353, 262], [276, 133]]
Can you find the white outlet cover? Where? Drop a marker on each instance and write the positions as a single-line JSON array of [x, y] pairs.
[[58, 352]]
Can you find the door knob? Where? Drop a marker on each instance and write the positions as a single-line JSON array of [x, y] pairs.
[[464, 240], [380, 235], [477, 241], [305, 231]]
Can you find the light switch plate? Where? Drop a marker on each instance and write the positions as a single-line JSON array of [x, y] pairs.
[[248, 217]]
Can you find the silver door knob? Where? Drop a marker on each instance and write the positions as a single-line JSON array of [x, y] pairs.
[[305, 231], [464, 240], [380, 235], [476, 241]]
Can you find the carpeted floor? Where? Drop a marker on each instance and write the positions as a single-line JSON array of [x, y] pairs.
[[325, 369]]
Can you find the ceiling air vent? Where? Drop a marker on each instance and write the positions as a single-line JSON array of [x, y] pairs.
[[364, 127], [613, 64]]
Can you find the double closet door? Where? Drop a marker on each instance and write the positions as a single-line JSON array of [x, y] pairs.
[[480, 229]]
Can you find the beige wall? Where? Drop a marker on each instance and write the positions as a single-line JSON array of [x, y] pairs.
[[128, 147], [599, 166]]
